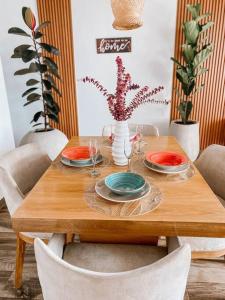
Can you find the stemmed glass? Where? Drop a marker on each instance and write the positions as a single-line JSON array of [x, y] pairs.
[[139, 135], [128, 152], [93, 151]]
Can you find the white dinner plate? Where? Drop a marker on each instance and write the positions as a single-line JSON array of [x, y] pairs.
[[104, 192]]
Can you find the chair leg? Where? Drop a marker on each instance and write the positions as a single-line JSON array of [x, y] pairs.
[[20, 251], [69, 238]]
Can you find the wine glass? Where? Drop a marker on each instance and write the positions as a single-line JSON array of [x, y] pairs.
[[93, 151], [128, 152], [139, 137]]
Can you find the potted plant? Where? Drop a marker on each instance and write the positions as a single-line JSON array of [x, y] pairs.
[[37, 55], [194, 53], [120, 111]]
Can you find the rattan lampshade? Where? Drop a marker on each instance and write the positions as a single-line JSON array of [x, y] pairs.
[[127, 14]]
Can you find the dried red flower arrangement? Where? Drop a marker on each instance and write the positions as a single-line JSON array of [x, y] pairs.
[[117, 101]]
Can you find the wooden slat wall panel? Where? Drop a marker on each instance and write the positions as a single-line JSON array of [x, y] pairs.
[[209, 104], [59, 34]]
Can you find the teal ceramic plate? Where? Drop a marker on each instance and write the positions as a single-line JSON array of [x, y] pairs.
[[155, 168], [72, 163], [125, 183], [105, 193]]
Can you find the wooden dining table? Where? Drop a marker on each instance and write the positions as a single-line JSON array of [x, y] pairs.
[[57, 204]]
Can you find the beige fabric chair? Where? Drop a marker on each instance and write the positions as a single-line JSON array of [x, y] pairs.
[[86, 271], [20, 169], [211, 165]]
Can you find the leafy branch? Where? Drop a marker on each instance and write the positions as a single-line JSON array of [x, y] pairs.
[[37, 55]]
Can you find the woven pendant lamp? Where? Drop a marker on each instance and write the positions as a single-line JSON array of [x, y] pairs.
[[127, 14]]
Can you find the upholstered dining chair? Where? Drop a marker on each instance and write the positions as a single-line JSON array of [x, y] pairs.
[[20, 169], [211, 165], [85, 271]]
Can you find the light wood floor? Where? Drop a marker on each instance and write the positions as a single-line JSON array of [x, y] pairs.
[[206, 279]]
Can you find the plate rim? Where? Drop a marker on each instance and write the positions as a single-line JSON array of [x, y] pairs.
[[171, 152], [164, 171], [117, 201], [79, 165]]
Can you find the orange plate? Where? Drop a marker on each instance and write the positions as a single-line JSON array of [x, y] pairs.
[[166, 158], [76, 153]]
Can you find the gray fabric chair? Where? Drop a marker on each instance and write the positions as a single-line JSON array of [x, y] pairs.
[[211, 165], [86, 271], [20, 170]]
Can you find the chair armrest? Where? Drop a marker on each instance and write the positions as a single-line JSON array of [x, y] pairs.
[[56, 244]]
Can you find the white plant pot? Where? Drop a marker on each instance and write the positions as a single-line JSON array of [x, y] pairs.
[[121, 141], [187, 136], [52, 142]]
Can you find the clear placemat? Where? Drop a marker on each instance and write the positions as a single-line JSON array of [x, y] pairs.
[[148, 203], [139, 167]]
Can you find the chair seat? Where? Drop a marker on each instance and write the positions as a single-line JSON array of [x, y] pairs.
[[110, 258], [203, 244]]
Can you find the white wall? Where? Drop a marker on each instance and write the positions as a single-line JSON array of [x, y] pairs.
[[10, 16], [149, 62], [6, 132]]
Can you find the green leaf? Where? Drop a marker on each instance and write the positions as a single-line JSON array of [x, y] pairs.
[[182, 76], [194, 10], [37, 124], [19, 50], [203, 17], [18, 31], [176, 62], [49, 48], [188, 88], [30, 102], [32, 82], [206, 26], [37, 35], [184, 109], [199, 88], [55, 73], [51, 79], [47, 84], [50, 63], [48, 98], [22, 72], [191, 32], [57, 90], [37, 116], [188, 53], [201, 71], [43, 25], [33, 68], [53, 117], [202, 56], [33, 96], [29, 91], [28, 55], [41, 67], [29, 17]]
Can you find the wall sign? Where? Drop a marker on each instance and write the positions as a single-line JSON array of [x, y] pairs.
[[113, 45]]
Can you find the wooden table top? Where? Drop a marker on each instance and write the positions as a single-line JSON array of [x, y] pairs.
[[57, 204]]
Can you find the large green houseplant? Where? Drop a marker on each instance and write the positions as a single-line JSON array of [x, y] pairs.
[[40, 57], [189, 69], [37, 54]]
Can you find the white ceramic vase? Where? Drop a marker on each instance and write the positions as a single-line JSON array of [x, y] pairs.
[[52, 142], [187, 136], [121, 141]]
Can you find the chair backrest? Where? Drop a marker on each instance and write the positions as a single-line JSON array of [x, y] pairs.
[[108, 130], [211, 165], [164, 280], [20, 169], [148, 129]]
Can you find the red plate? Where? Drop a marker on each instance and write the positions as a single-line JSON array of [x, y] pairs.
[[76, 153], [166, 158]]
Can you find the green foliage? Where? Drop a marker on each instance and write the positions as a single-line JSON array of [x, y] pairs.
[[194, 54], [36, 55]]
